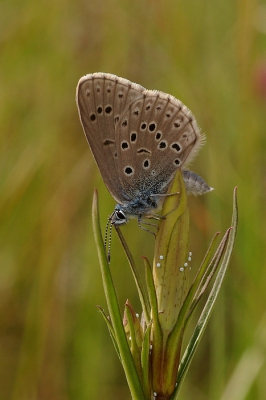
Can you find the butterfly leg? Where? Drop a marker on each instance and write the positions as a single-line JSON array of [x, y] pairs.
[[157, 217], [164, 194], [145, 223]]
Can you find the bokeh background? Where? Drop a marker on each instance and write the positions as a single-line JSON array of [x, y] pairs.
[[212, 55]]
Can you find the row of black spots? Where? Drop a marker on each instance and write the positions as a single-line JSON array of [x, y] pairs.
[[107, 110], [128, 170], [151, 126], [162, 145], [144, 125], [108, 88]]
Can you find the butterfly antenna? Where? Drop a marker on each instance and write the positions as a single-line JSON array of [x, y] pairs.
[[108, 232], [109, 243]]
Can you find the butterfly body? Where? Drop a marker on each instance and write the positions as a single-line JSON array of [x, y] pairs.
[[144, 204], [139, 138]]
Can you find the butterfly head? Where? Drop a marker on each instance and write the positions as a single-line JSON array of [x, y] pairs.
[[118, 217]]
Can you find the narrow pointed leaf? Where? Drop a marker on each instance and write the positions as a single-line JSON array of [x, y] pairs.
[[210, 271]]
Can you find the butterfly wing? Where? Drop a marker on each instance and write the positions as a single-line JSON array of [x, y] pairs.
[[102, 99], [156, 135]]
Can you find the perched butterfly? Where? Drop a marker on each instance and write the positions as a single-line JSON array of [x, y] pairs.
[[139, 138]]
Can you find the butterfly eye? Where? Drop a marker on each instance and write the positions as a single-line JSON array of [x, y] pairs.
[[120, 215], [119, 218]]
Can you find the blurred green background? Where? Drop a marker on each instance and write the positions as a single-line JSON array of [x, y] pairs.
[[212, 55]]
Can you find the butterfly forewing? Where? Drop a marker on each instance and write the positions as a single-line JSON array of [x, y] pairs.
[[102, 99]]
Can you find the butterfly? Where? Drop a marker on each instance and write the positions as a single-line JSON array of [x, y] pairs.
[[139, 138]]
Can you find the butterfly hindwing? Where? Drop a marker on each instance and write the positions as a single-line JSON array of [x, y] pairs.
[[156, 135]]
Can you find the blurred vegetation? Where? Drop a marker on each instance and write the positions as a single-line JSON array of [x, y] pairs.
[[210, 54]]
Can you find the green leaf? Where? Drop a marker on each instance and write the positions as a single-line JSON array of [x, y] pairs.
[[205, 315], [114, 311]]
